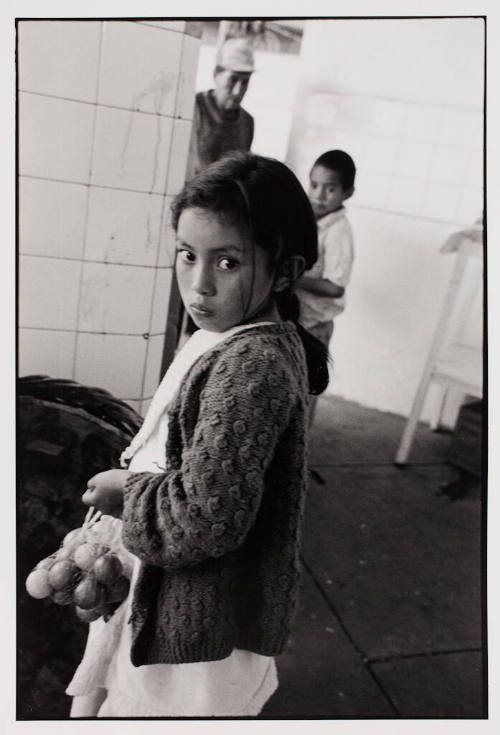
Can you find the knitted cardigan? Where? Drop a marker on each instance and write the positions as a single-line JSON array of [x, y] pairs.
[[218, 532]]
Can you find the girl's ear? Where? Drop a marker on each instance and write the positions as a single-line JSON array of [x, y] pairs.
[[288, 272]]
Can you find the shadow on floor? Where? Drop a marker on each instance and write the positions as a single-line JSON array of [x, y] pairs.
[[389, 621]]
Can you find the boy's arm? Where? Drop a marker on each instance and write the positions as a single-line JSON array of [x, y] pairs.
[[338, 257], [339, 254], [320, 286]]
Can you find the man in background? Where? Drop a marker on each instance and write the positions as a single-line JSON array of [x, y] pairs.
[[220, 124]]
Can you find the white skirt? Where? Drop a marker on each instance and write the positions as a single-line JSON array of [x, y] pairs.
[[238, 685]]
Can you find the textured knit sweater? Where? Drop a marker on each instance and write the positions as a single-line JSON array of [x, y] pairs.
[[218, 532], [215, 133]]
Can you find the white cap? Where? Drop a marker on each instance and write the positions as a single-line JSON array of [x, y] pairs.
[[236, 54]]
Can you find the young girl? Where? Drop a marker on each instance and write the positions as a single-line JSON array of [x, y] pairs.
[[212, 501]]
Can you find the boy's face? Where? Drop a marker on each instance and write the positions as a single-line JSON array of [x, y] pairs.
[[325, 191]]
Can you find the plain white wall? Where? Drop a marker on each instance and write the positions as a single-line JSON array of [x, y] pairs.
[[404, 98]]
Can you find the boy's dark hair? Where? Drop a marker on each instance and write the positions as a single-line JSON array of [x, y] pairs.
[[340, 162], [265, 198]]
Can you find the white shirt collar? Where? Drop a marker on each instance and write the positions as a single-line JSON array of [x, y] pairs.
[[330, 218]]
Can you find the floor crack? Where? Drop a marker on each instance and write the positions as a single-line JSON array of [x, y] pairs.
[[424, 654], [362, 655]]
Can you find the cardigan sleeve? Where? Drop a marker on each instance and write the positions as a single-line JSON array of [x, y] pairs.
[[206, 507]]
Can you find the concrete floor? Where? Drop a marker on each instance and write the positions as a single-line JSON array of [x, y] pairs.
[[389, 620]]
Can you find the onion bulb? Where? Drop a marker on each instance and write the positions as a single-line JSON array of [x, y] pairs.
[[63, 574], [88, 616], [37, 584], [85, 555], [62, 597], [47, 562], [118, 591], [73, 536], [88, 593], [107, 568]]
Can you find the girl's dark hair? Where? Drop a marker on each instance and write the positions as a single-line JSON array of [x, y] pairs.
[[340, 162], [264, 196]]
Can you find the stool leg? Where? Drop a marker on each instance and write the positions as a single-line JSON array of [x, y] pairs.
[[412, 421], [437, 412], [446, 309]]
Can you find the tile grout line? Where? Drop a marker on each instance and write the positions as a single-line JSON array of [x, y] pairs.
[[94, 261], [359, 652], [93, 185], [109, 333], [97, 104]]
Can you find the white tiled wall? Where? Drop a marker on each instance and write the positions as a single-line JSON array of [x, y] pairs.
[[105, 111], [55, 137], [428, 163], [131, 150], [34, 343], [167, 252], [53, 216], [159, 304], [115, 299], [187, 82], [155, 349], [145, 78], [115, 362], [123, 227], [48, 292], [405, 99], [180, 146], [50, 59]]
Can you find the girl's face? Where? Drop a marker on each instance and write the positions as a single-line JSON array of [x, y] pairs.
[[222, 279]]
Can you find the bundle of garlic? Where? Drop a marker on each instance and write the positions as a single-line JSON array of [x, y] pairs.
[[90, 570]]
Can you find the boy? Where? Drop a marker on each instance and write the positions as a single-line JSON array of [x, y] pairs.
[[321, 289]]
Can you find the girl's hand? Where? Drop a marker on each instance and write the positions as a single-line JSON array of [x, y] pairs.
[[105, 492]]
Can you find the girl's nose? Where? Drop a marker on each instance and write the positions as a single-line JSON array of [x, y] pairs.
[[321, 194], [203, 282]]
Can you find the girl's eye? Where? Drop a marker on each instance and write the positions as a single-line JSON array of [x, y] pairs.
[[186, 256], [227, 264]]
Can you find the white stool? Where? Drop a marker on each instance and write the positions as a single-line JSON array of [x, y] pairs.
[[451, 363]]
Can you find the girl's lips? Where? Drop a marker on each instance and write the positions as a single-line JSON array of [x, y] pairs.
[[199, 309]]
